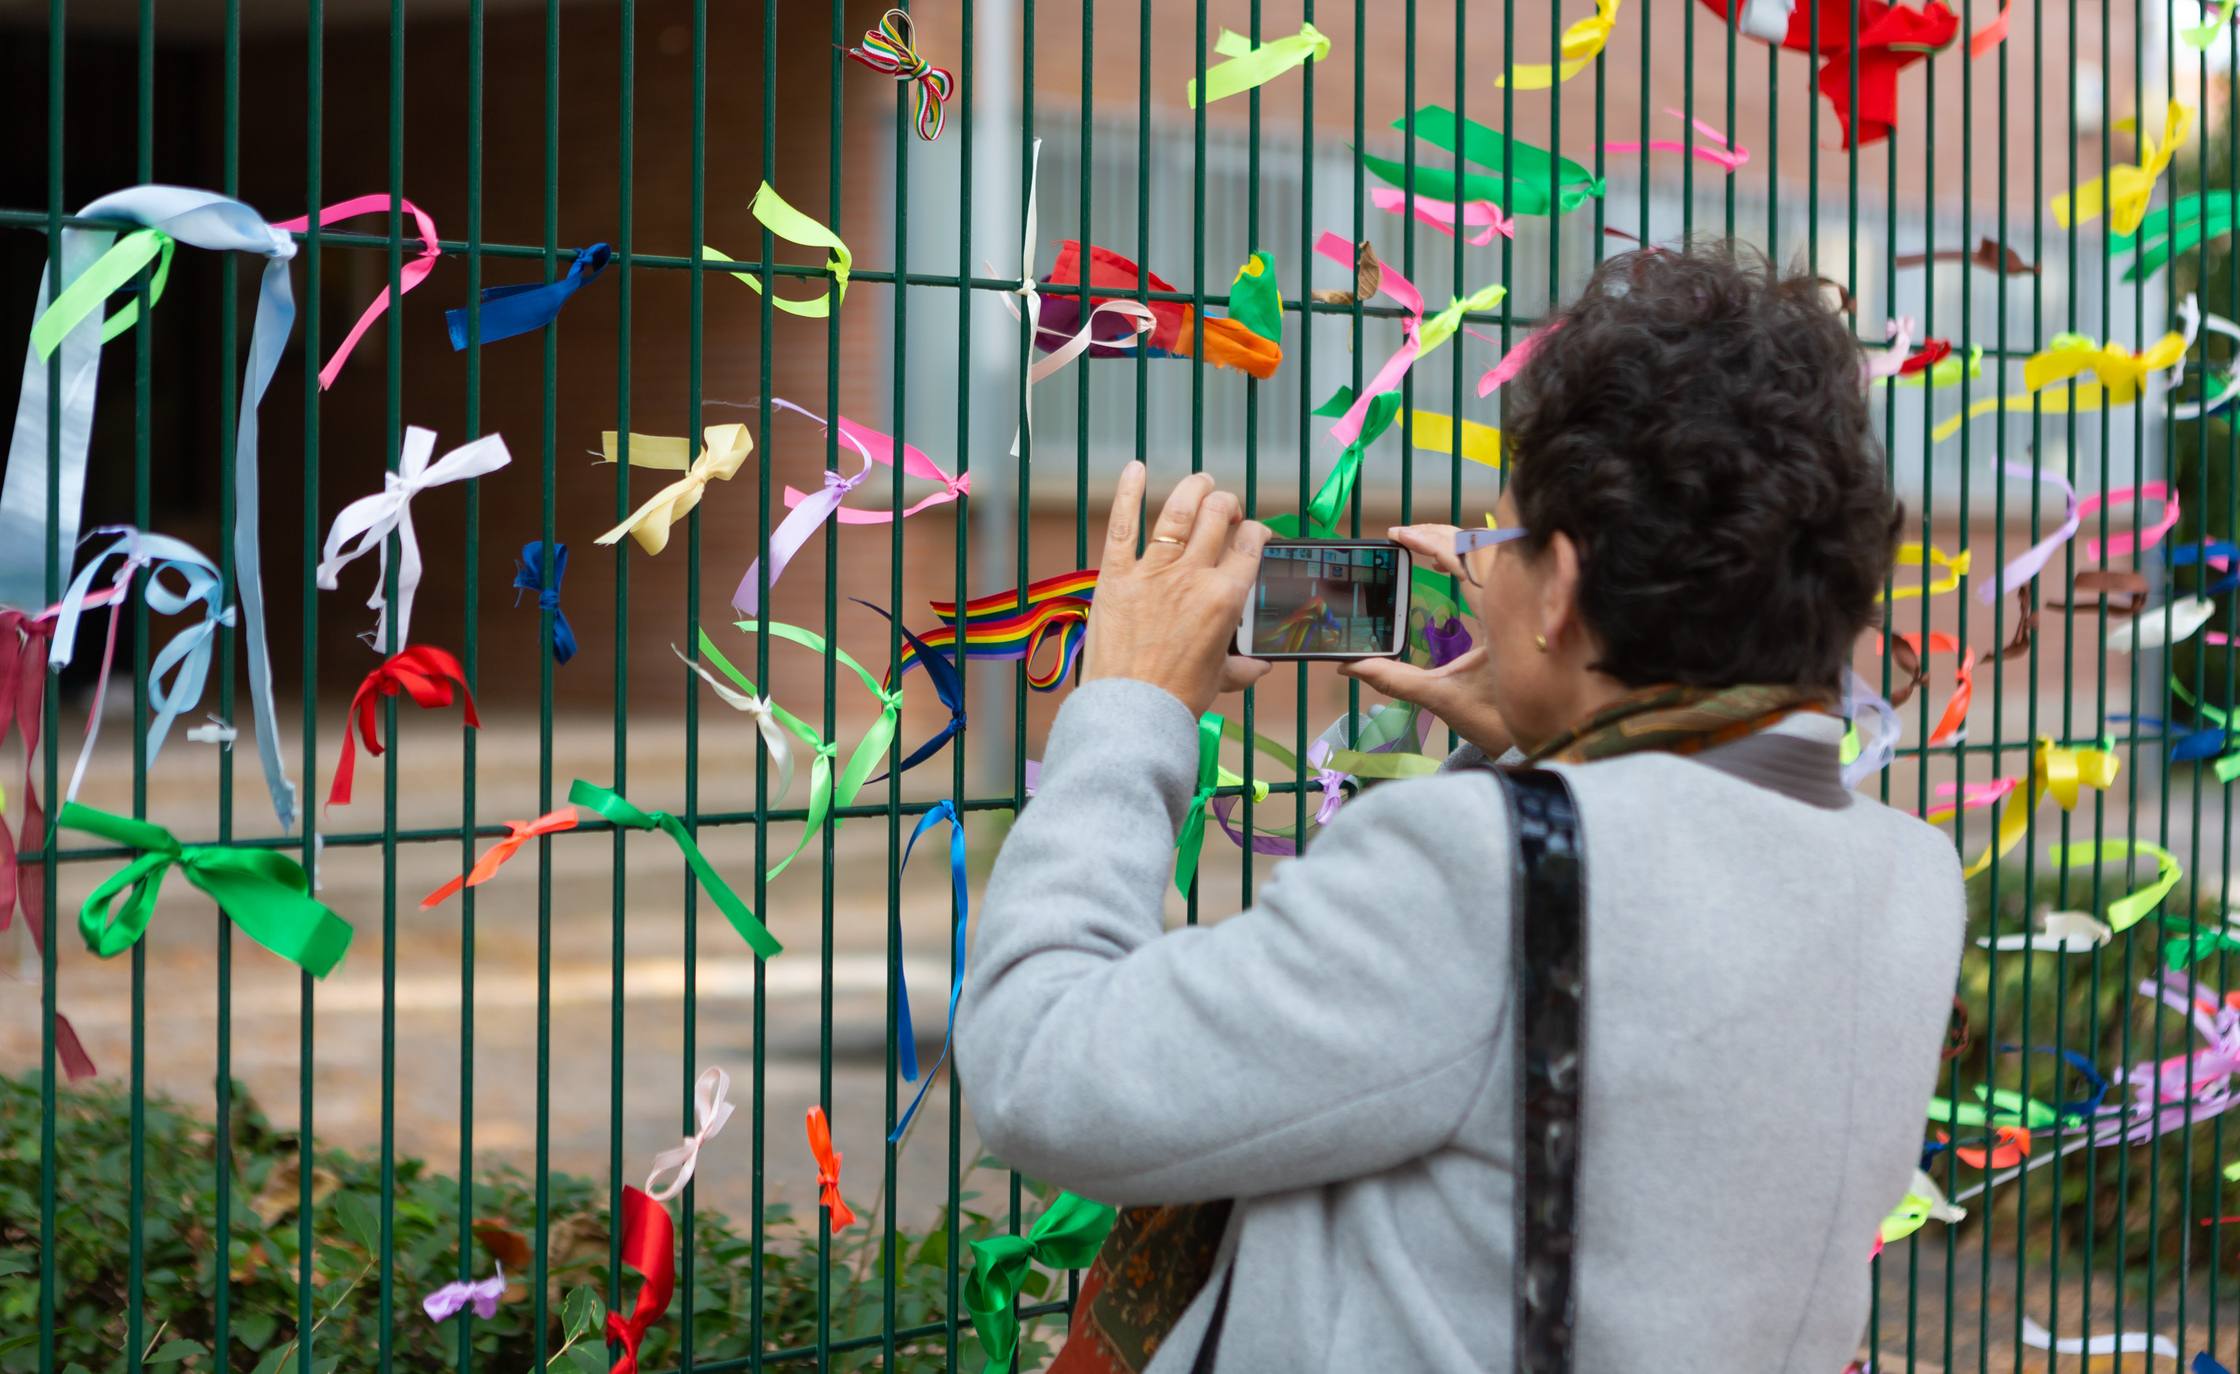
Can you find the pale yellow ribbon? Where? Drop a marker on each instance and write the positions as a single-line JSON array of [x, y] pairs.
[[727, 448], [1914, 555], [2061, 771], [774, 214], [2128, 188], [1582, 43], [1250, 66], [1434, 433]]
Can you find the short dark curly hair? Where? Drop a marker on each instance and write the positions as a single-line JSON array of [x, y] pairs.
[[1696, 422]]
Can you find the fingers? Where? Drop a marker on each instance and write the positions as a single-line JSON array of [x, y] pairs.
[[1209, 533], [1243, 559], [1394, 677], [1127, 512], [1433, 542], [1177, 517], [1239, 672]]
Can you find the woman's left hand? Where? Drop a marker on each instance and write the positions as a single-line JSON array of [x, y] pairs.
[[1169, 616]]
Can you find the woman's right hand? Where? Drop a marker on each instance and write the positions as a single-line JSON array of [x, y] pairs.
[[1459, 693]]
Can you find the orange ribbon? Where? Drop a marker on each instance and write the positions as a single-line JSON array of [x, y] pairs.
[[828, 1170], [422, 672], [494, 858], [1908, 656], [2010, 1146]]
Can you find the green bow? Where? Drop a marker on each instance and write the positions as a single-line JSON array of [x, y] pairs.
[[1193, 836], [1065, 1237], [2173, 229], [2197, 944], [1330, 499], [618, 809], [263, 891], [821, 754], [109, 273], [1523, 188], [876, 740]]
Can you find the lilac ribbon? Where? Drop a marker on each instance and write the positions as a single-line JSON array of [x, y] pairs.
[[445, 1302], [1330, 780], [2033, 560], [1448, 641], [802, 521], [2163, 1100]]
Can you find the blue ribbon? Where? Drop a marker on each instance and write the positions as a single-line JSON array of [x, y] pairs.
[[2081, 1107], [511, 310], [2196, 555], [528, 576], [907, 1049], [2202, 1364], [947, 685], [2205, 743]]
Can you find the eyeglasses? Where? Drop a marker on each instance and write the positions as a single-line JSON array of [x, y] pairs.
[[1467, 542]]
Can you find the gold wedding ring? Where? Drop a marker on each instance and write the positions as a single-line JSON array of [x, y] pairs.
[[1165, 539]]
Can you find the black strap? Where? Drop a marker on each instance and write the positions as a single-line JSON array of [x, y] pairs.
[[1209, 1348], [1548, 956]]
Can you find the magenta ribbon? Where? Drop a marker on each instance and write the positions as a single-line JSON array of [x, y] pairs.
[[24, 644], [803, 520], [1404, 294], [411, 274], [880, 447], [2163, 1101], [1718, 151], [1444, 215], [2032, 561], [2127, 541]]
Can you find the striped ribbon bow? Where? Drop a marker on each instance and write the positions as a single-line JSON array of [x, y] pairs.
[[891, 49]]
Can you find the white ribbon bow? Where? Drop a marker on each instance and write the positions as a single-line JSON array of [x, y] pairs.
[[711, 1108], [763, 711], [2148, 630], [2060, 932], [369, 520]]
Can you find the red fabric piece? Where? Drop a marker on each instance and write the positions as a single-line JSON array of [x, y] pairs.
[[422, 672], [1891, 38], [1933, 351], [24, 641], [1111, 277], [649, 1245]]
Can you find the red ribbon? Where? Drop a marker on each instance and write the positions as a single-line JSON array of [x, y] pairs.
[[494, 858], [828, 1170], [1891, 38], [649, 1245], [422, 672], [24, 640], [1933, 351]]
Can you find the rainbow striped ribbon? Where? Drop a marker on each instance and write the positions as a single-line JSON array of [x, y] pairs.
[[1005, 625]]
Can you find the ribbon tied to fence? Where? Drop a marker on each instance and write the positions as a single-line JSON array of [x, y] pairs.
[[370, 520], [891, 49], [617, 809], [1064, 1237], [726, 449], [422, 672], [649, 1245], [711, 1107], [518, 833], [529, 577]]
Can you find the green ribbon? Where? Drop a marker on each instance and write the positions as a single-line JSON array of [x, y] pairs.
[[1255, 301], [2197, 944], [1193, 836], [821, 754], [110, 273], [2006, 1108], [1065, 1237], [2195, 217], [876, 740], [262, 891], [1331, 498], [618, 809], [1523, 190]]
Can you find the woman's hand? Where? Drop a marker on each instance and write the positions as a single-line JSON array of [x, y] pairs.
[[1168, 617], [1459, 693]]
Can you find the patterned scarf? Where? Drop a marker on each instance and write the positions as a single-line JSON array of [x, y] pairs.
[[1157, 1259]]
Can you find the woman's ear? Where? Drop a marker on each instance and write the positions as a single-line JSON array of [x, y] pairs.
[[1559, 590]]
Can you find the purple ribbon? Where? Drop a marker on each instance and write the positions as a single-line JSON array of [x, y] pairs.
[[800, 522], [1330, 780], [1447, 642], [445, 1302], [2032, 561]]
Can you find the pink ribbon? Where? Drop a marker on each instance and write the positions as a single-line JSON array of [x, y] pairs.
[[2128, 541], [802, 521], [24, 644], [1404, 294], [411, 274], [1444, 215], [1889, 361], [1718, 151], [881, 449], [2032, 561], [1514, 360], [2160, 1089]]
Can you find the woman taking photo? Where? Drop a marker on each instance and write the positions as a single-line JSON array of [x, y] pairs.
[[1695, 532]]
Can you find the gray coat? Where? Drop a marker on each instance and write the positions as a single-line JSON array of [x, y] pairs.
[[1771, 961]]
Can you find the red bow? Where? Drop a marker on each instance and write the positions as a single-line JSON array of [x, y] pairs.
[[1932, 352], [422, 672], [828, 1170], [519, 834], [23, 693], [649, 1245], [1891, 38]]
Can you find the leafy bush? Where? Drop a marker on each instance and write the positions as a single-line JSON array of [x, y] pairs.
[[94, 1198]]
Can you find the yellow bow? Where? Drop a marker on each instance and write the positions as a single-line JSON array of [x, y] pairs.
[[1441, 327], [2120, 371], [1913, 555], [2128, 188], [1582, 43], [727, 448], [2062, 772]]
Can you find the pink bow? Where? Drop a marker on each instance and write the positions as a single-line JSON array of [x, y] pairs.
[[881, 449], [802, 521], [1404, 294], [411, 274], [445, 1302], [1444, 215]]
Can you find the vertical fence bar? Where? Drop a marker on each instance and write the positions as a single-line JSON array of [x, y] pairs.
[[464, 1349]]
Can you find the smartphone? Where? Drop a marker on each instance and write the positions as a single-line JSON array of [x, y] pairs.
[[1327, 599]]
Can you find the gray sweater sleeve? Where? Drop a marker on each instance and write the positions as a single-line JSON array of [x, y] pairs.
[[1339, 1027]]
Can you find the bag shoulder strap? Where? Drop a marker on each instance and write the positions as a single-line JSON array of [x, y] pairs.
[[1548, 960]]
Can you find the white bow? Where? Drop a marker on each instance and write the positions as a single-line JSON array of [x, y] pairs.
[[369, 520], [2060, 932], [711, 1107], [765, 718], [2147, 630]]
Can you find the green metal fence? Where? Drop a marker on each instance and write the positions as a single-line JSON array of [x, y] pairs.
[[2099, 1243]]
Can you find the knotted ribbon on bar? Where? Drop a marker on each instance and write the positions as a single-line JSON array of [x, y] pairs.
[[802, 521], [1009, 625], [424, 673], [770, 720], [727, 446], [1534, 181], [960, 907], [649, 1245], [876, 740], [525, 306], [528, 576], [1064, 1237], [1251, 64], [370, 520], [880, 449], [617, 809], [1583, 42], [774, 214], [409, 275], [1191, 841], [828, 1171], [947, 685], [711, 1107], [2126, 190], [23, 691], [2062, 771], [891, 49], [518, 833]]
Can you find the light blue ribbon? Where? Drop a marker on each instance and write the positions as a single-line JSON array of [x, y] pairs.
[[201, 219], [907, 1049]]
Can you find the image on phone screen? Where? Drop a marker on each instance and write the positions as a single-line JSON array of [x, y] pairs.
[[1326, 599]]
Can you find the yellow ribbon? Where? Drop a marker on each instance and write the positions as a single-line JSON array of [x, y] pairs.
[[727, 448], [774, 214], [1914, 555], [2128, 188], [2118, 377], [1582, 43], [1433, 432], [1249, 66], [1225, 778], [2061, 772]]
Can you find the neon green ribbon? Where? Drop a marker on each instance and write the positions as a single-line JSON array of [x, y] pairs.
[[876, 740], [821, 754], [1383, 765], [1330, 499], [1441, 327], [2197, 944], [1065, 1237], [2204, 36], [109, 273], [1193, 836], [2132, 907], [618, 809], [1250, 66], [262, 891], [774, 214], [1997, 1107], [1523, 190]]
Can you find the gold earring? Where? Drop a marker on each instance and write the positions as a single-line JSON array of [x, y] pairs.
[[1541, 641]]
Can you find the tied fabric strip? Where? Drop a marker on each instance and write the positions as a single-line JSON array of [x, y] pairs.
[[2125, 542], [1249, 65], [948, 685], [1420, 336], [1889, 38], [370, 520], [1537, 181], [453, 1298], [1583, 42], [876, 740], [726, 448], [526, 306], [1012, 625], [528, 576], [1442, 215], [711, 1107], [2175, 228], [960, 906], [424, 673], [2025, 566], [23, 690], [880, 448], [518, 833], [2130, 1343], [262, 891], [649, 1245], [409, 275], [1954, 568], [828, 1171], [2126, 190], [1064, 1237], [1906, 654], [773, 213], [2061, 771], [1191, 842], [803, 520], [618, 811], [200, 219], [2215, 324], [821, 754], [1714, 150], [891, 49]]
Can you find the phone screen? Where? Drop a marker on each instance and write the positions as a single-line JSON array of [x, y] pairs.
[[1315, 597]]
